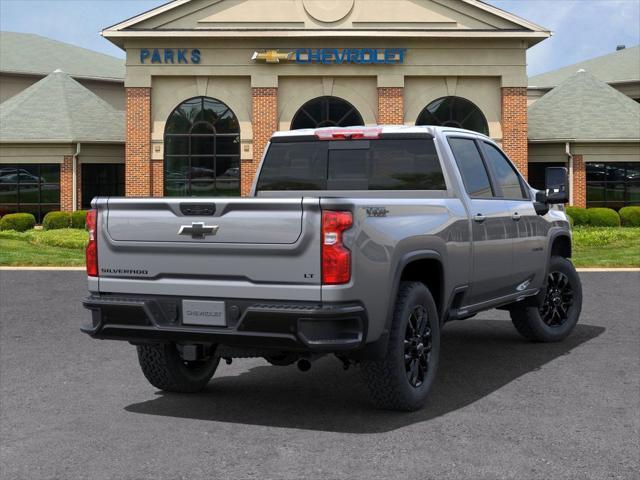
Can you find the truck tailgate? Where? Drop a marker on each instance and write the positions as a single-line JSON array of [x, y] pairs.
[[216, 248]]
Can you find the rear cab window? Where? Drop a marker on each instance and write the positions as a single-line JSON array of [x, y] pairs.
[[333, 165]]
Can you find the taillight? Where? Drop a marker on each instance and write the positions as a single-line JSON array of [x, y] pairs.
[[336, 258], [92, 246], [349, 133]]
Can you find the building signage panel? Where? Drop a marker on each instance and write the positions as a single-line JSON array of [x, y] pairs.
[[168, 56], [335, 56]]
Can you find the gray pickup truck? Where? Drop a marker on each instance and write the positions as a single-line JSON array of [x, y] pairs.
[[359, 242]]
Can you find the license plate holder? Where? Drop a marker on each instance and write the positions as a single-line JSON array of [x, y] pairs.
[[204, 313]]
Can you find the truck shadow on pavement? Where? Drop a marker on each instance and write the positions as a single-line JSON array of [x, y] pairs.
[[478, 358]]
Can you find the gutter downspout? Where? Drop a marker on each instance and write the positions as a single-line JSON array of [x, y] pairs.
[[567, 149], [74, 194]]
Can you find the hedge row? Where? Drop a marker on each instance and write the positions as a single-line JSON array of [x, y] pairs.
[[57, 220], [605, 217], [21, 222]]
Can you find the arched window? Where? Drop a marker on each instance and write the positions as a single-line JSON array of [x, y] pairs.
[[455, 112], [202, 150], [326, 112]]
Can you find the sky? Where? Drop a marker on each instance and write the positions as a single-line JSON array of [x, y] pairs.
[[582, 29]]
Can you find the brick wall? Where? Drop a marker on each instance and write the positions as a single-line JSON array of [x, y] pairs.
[[579, 182], [138, 143], [265, 123], [390, 105], [157, 178], [514, 126], [66, 184]]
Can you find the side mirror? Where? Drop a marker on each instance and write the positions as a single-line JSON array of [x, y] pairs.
[[557, 185], [541, 205]]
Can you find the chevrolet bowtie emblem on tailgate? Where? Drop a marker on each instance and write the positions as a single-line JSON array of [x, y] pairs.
[[198, 230]]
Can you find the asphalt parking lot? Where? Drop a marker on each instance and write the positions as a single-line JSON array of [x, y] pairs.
[[76, 408]]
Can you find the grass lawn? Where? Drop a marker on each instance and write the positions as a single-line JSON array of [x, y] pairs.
[[606, 247], [592, 247], [37, 248]]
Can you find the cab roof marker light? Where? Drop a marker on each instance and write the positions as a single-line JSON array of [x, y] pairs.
[[355, 133]]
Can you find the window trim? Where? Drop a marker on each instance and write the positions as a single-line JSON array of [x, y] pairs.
[[525, 191]]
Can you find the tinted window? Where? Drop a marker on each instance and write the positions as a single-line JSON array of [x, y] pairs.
[[295, 166], [101, 180], [31, 188], [474, 174], [613, 185], [202, 150], [506, 175], [399, 164]]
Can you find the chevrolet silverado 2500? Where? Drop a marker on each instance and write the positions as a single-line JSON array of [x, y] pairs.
[[360, 242]]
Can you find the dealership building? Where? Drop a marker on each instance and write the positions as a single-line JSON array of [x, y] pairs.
[[206, 83]]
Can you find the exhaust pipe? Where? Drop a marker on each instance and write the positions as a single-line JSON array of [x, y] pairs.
[[304, 365]]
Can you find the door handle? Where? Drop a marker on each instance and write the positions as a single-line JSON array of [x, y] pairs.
[[479, 218], [516, 216]]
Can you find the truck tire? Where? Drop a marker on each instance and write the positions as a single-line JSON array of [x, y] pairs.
[[165, 369], [557, 310], [402, 380]]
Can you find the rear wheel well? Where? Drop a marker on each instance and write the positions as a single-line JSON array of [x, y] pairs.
[[428, 271], [561, 247]]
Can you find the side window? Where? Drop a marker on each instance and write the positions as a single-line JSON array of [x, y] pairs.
[[474, 174], [506, 175]]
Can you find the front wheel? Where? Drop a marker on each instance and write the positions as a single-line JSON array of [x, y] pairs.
[[558, 308], [165, 369], [402, 380]]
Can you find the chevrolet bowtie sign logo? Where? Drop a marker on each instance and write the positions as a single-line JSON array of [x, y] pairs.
[[272, 56], [334, 56]]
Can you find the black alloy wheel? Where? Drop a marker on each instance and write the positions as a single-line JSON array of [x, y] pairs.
[[417, 346], [557, 301]]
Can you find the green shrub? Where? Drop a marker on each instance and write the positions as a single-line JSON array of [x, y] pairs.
[[580, 216], [20, 222], [79, 219], [630, 216], [56, 220], [603, 217], [571, 222]]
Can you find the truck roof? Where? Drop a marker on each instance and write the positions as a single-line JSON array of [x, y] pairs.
[[379, 129]]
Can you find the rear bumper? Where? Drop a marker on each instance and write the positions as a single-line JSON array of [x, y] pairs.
[[282, 326]]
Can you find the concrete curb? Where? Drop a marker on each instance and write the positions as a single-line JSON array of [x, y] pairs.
[[627, 269]]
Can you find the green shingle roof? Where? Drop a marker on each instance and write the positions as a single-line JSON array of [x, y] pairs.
[[617, 67], [584, 108], [58, 109], [27, 53]]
